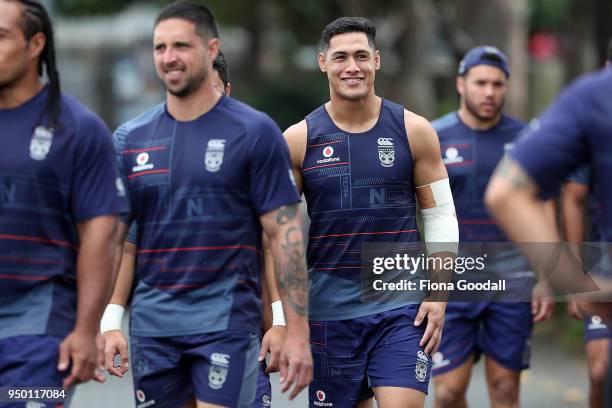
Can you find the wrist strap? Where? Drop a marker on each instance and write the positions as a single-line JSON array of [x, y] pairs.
[[112, 317], [278, 316]]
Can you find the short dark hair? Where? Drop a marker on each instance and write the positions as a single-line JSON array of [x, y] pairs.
[[198, 14], [609, 54], [34, 19], [220, 65], [344, 25]]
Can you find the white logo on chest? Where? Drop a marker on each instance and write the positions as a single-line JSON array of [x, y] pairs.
[[386, 151], [41, 143], [213, 159], [142, 161]]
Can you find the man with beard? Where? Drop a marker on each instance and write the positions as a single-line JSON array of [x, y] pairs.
[[59, 202], [473, 140], [205, 173], [360, 160], [110, 326]]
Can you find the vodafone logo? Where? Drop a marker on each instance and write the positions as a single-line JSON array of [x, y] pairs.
[[328, 152], [321, 400], [140, 395], [321, 395], [142, 161], [142, 158]]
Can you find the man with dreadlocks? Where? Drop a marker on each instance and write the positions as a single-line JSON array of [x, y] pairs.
[[59, 200]]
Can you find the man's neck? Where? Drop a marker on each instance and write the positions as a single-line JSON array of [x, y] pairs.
[[193, 105], [357, 115], [475, 123], [21, 92]]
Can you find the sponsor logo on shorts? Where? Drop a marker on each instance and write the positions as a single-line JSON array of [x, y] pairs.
[[321, 399], [213, 158], [219, 368], [421, 367], [41, 143], [142, 160], [439, 361], [527, 352], [386, 151], [142, 398], [596, 323], [266, 401]]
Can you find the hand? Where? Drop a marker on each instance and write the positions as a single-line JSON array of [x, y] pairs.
[[542, 303], [295, 363], [116, 344], [434, 312], [272, 342], [574, 310], [79, 348], [99, 374]]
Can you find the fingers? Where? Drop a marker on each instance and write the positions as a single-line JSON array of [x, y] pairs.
[[423, 310], [109, 361], [264, 348], [64, 356], [125, 359], [288, 379], [545, 310], [535, 307], [99, 373], [82, 370], [273, 364], [304, 378]]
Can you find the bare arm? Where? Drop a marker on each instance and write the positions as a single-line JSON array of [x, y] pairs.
[[573, 203], [95, 276], [95, 270], [429, 168], [512, 199], [425, 146], [125, 276]]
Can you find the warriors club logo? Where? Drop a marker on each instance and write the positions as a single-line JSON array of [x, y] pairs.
[[386, 151]]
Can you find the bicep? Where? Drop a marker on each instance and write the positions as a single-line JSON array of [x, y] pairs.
[[425, 146], [295, 136]]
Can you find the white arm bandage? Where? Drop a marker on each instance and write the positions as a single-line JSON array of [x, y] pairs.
[[440, 229], [112, 317], [278, 316]]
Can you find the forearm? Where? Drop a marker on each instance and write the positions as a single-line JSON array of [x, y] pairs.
[[95, 273], [125, 276], [573, 220], [290, 269]]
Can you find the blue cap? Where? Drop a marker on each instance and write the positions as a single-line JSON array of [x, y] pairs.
[[484, 55]]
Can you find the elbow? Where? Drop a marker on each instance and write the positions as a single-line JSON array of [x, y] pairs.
[[498, 192]]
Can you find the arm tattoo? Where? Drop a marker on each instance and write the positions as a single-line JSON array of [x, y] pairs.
[[286, 213], [290, 267], [509, 170]]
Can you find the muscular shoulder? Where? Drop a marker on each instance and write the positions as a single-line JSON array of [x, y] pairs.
[[422, 137], [296, 136]]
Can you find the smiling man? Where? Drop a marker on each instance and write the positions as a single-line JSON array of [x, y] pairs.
[[205, 174], [343, 155]]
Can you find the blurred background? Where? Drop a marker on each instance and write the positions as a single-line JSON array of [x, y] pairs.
[[105, 60]]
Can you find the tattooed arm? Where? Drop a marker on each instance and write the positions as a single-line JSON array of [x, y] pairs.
[[285, 237], [512, 199]]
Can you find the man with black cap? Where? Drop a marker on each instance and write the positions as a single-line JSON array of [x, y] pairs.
[[473, 140]]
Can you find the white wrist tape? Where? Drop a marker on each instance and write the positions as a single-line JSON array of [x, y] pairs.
[[112, 317], [278, 316], [440, 228]]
